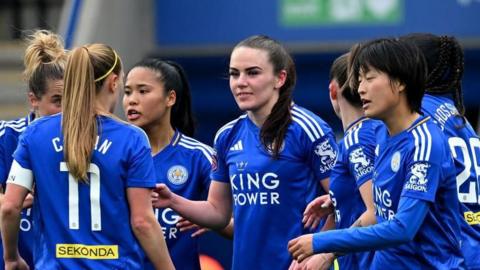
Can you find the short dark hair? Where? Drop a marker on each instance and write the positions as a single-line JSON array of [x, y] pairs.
[[400, 60]]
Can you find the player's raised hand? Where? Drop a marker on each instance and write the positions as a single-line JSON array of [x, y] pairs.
[[301, 247], [161, 196], [317, 209]]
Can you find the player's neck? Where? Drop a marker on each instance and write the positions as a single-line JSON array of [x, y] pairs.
[[350, 114], [400, 121], [160, 136]]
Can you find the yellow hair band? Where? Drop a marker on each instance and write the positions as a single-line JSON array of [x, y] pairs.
[[110, 70]]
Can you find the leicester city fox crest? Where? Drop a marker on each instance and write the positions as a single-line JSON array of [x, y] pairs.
[[418, 179], [327, 155], [177, 175], [361, 162]]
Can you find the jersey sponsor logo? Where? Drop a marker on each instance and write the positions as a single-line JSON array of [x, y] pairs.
[[177, 175], [362, 164], [255, 188], [395, 162], [26, 220], [338, 216], [383, 203], [418, 180], [472, 218], [238, 146], [93, 252], [327, 155], [168, 219]]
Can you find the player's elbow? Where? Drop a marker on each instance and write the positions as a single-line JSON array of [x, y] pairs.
[[142, 224], [404, 233], [9, 209]]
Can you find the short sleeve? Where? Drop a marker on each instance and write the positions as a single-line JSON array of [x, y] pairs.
[[361, 158], [22, 154], [322, 155], [205, 166], [424, 165], [219, 170], [140, 172], [3, 161], [422, 180]]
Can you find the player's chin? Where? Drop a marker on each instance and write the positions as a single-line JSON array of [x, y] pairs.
[[245, 105]]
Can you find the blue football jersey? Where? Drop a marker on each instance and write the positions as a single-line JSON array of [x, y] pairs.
[[78, 225], [465, 147], [353, 168], [184, 166], [9, 134], [270, 195], [416, 163]]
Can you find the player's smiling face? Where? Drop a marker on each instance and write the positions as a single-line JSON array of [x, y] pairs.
[[254, 85], [145, 101], [378, 93]]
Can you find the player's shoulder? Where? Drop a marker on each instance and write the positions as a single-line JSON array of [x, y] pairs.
[[427, 139], [194, 147], [15, 126], [308, 123], [362, 132], [226, 129]]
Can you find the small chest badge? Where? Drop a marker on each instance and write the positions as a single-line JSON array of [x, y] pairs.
[[395, 163], [177, 174]]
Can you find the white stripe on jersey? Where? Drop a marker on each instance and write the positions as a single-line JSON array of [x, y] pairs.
[[310, 120], [307, 122], [18, 125], [352, 135], [423, 143], [193, 144], [228, 125], [429, 140], [298, 121]]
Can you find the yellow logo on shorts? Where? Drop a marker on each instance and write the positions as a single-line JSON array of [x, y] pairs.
[[472, 218], [79, 251]]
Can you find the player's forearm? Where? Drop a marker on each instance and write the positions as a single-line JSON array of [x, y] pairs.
[[366, 219], [399, 230], [227, 232], [204, 213], [10, 222], [149, 234]]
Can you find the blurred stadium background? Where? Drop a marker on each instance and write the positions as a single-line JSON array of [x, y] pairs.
[[200, 34]]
